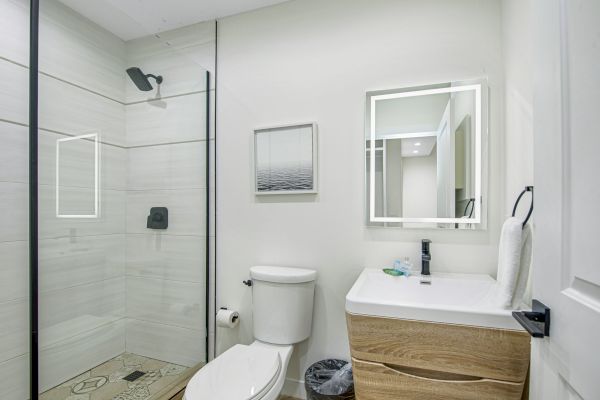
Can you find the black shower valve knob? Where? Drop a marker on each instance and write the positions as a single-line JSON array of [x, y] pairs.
[[158, 218]]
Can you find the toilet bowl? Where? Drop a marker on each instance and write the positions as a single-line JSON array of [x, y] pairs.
[[282, 304], [243, 372]]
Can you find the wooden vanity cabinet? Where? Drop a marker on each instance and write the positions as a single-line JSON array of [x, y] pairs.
[[405, 359]]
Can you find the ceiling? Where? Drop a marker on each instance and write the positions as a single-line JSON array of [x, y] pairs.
[[131, 19], [418, 146]]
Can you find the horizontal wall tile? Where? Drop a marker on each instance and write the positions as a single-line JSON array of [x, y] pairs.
[[76, 354], [14, 92], [14, 153], [171, 166], [69, 109], [111, 217], [67, 262], [180, 258], [166, 302], [14, 328], [14, 270], [171, 120], [71, 47], [71, 310], [63, 107], [14, 378], [186, 210], [79, 51], [181, 56], [168, 343], [76, 160], [14, 202], [14, 30]]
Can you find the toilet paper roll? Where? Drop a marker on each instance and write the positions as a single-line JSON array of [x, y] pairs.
[[228, 318]]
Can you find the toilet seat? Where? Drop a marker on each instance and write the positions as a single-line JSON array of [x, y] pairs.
[[240, 373]]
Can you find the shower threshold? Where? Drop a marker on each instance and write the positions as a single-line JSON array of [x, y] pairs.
[[147, 379]]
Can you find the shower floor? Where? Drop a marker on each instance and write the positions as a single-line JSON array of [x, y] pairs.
[[105, 382]]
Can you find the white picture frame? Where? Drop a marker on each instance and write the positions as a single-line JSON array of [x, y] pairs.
[[286, 159]]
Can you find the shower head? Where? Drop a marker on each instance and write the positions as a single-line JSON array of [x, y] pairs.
[[141, 80]]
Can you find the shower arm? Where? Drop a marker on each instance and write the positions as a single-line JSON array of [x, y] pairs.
[[158, 78]]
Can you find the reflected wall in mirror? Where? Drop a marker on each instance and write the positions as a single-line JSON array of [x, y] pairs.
[[423, 156]]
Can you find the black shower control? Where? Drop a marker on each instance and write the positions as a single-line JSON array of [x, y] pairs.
[[158, 218]]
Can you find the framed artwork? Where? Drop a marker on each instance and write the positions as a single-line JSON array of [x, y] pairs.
[[285, 159]]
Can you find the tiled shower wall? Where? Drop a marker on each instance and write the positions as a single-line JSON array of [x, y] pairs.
[[166, 283], [14, 364], [82, 262], [107, 284]]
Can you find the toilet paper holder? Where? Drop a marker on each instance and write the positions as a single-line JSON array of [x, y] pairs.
[[235, 317]]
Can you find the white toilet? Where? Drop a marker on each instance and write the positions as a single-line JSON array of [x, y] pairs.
[[282, 304]]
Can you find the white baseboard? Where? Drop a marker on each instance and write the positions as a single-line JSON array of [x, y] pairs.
[[294, 388]]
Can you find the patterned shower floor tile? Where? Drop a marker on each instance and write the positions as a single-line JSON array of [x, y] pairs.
[[105, 382]]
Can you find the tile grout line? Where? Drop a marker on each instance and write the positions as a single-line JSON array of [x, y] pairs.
[[124, 147], [148, 321], [63, 340], [123, 103], [89, 283], [157, 278], [13, 358]]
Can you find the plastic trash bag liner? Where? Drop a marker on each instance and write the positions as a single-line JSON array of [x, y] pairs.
[[329, 380]]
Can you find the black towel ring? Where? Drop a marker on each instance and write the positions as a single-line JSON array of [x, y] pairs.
[[527, 189], [472, 202]]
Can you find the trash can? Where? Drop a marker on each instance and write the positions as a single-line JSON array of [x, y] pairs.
[[329, 380]]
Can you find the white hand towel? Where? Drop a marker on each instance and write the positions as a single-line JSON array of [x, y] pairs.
[[514, 255], [525, 267]]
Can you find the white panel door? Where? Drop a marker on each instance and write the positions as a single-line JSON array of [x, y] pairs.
[[566, 274]]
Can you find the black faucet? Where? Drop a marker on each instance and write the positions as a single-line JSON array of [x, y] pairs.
[[425, 256]]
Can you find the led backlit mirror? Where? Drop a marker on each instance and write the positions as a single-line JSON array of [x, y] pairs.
[[423, 156]]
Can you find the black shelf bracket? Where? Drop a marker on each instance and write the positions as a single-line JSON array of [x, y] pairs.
[[536, 321]]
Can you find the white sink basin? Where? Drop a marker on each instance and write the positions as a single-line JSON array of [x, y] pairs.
[[450, 298]]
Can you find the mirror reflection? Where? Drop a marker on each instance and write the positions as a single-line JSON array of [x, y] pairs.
[[423, 156], [77, 176]]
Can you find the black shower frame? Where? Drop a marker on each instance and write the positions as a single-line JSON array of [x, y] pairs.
[[34, 19]]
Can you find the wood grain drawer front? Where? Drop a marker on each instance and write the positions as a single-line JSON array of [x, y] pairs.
[[376, 381], [483, 352]]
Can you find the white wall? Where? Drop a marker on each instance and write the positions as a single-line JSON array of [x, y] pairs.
[[314, 61], [419, 181], [517, 22]]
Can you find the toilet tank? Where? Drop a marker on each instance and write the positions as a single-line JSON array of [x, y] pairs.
[[282, 303]]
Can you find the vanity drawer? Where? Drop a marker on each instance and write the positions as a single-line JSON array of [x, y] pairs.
[[376, 381], [498, 354]]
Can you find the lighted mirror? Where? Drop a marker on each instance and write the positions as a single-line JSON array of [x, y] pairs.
[[423, 156], [77, 176]]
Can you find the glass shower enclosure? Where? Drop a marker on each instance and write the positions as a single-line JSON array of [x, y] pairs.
[[121, 227]]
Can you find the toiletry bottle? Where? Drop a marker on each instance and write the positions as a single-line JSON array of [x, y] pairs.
[[407, 266]]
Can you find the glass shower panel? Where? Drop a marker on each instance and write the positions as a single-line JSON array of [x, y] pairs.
[[14, 130], [123, 217]]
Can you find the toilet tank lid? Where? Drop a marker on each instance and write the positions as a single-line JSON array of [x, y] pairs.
[[282, 274]]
